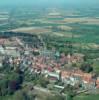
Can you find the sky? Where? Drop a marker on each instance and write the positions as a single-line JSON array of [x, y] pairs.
[[48, 2]]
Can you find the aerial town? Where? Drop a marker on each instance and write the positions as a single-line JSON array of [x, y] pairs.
[[49, 50], [58, 68]]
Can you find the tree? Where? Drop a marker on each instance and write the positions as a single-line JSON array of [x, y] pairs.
[[69, 97], [43, 82], [86, 67], [3, 87], [15, 81], [19, 95]]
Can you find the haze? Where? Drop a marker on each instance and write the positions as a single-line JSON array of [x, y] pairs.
[[49, 2]]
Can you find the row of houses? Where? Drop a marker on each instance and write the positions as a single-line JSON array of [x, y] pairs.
[[74, 78]]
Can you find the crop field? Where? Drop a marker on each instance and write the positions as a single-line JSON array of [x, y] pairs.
[[31, 30]]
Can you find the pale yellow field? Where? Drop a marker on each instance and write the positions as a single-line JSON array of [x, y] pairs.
[[83, 20], [2, 19], [63, 27], [54, 14], [67, 35], [31, 30], [87, 46], [92, 21]]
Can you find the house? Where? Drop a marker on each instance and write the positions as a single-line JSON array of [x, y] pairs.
[[97, 83], [3, 41], [89, 84], [74, 77], [52, 76]]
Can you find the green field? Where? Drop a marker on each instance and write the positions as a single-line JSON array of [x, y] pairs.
[[87, 97]]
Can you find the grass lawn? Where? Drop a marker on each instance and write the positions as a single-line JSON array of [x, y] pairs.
[[87, 97]]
